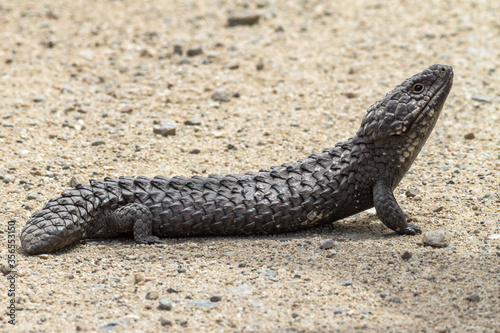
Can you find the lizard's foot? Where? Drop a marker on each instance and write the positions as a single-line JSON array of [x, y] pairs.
[[148, 240], [409, 229]]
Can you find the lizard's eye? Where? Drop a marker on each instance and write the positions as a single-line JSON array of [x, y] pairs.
[[418, 88]]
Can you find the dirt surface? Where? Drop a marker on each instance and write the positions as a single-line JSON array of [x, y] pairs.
[[83, 83]]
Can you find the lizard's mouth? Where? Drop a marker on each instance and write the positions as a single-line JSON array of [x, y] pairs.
[[429, 113]]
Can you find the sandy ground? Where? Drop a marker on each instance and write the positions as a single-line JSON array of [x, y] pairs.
[[84, 82]]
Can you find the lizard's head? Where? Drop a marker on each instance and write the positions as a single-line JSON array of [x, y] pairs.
[[406, 116]]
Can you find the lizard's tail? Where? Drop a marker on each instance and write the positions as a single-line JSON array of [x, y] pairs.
[[66, 219]]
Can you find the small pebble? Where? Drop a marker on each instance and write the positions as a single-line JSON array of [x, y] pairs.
[[166, 129], [75, 180], [32, 196], [327, 244], [185, 61], [437, 208], [126, 109], [338, 310], [234, 65], [152, 295], [473, 297], [165, 305], [481, 98], [469, 136], [178, 49], [43, 256], [181, 270], [98, 143], [262, 3], [192, 122], [165, 322], [221, 95], [347, 283], [435, 238], [5, 269], [194, 52], [194, 151], [351, 94], [138, 278], [8, 178], [406, 255], [172, 290], [38, 99], [216, 298], [259, 66], [202, 304], [242, 19], [412, 193]]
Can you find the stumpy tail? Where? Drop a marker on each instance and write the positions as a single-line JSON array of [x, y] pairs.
[[63, 220]]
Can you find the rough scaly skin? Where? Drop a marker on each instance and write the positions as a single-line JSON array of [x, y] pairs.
[[341, 181]]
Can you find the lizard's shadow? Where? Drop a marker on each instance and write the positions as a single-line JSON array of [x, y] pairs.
[[359, 227], [364, 226]]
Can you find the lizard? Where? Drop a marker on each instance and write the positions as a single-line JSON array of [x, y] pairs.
[[350, 177]]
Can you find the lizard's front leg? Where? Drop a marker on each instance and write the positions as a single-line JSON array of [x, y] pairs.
[[389, 211]]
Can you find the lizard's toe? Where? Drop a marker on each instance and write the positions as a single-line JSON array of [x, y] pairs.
[[411, 229], [149, 240]]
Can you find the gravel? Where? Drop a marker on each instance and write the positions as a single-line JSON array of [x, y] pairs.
[[309, 54]]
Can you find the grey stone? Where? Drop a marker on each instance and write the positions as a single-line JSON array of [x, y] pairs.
[[185, 61], [435, 238], [192, 52], [481, 98], [152, 295], [202, 304], [192, 122], [8, 178], [243, 289], [98, 143], [236, 19], [165, 322], [327, 244], [166, 129], [412, 193], [32, 196], [473, 297], [165, 305], [178, 49], [406, 255], [221, 95], [216, 298], [38, 99]]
